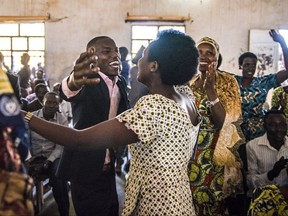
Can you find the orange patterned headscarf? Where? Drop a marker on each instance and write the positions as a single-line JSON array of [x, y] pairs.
[[212, 42]]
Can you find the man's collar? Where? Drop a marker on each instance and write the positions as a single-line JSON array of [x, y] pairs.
[[106, 78], [41, 114], [263, 140]]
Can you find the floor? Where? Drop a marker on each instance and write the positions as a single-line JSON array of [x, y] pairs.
[[50, 207]]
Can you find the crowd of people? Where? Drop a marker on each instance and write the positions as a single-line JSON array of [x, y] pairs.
[[199, 140]]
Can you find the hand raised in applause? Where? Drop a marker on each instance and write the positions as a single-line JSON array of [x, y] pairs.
[[83, 71], [276, 36], [210, 81]]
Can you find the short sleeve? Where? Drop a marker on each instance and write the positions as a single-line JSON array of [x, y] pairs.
[[185, 89], [142, 118]]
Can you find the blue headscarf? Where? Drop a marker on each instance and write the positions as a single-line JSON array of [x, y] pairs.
[[10, 116]]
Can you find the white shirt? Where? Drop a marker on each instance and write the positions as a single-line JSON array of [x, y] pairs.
[[41, 146], [261, 157]]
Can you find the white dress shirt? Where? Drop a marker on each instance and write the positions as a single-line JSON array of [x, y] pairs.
[[41, 146], [261, 157]]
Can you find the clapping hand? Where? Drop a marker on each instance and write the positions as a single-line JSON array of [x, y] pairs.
[[279, 165], [210, 81], [85, 67]]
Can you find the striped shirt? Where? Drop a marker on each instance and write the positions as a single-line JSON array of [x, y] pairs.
[[261, 157]]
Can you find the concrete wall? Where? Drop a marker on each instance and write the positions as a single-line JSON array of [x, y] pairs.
[[74, 22]]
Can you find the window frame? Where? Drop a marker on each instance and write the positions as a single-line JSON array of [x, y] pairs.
[[12, 55], [159, 27]]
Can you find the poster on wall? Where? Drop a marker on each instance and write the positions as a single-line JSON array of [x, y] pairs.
[[266, 50]]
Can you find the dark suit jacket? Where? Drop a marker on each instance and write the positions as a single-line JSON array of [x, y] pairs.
[[89, 107], [15, 85]]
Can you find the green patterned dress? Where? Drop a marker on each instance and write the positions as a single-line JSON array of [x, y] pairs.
[[214, 172]]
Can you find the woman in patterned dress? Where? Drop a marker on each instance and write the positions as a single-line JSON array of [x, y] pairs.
[[215, 171], [161, 128]]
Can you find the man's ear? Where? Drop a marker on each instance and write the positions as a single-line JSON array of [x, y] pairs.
[[154, 66]]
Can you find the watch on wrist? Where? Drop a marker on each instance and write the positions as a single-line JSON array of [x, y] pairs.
[[210, 104]]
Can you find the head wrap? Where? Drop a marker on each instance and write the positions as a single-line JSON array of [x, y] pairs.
[[212, 42]]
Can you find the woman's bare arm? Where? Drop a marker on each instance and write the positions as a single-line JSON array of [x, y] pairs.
[[107, 134]]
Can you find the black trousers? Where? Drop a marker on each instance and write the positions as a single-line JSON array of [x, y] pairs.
[[96, 198]]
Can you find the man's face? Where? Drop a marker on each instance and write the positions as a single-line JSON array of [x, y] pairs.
[[207, 56], [108, 57], [24, 59], [41, 93], [276, 126], [39, 75], [249, 67], [51, 104]]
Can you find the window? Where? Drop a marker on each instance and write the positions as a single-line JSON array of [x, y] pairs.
[[15, 39], [144, 34]]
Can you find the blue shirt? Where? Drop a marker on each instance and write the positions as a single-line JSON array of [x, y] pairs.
[[252, 99]]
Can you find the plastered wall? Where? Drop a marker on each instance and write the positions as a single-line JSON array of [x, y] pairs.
[[74, 22]]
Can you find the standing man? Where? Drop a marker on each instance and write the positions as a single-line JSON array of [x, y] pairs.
[[46, 154], [91, 172], [125, 64], [25, 72], [14, 81]]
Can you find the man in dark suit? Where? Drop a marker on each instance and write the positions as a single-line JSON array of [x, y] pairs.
[[91, 172]]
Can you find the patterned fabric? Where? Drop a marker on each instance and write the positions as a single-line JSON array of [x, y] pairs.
[[275, 102], [5, 86], [268, 200], [15, 186], [15, 193], [215, 172], [158, 183], [253, 97], [212, 42]]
